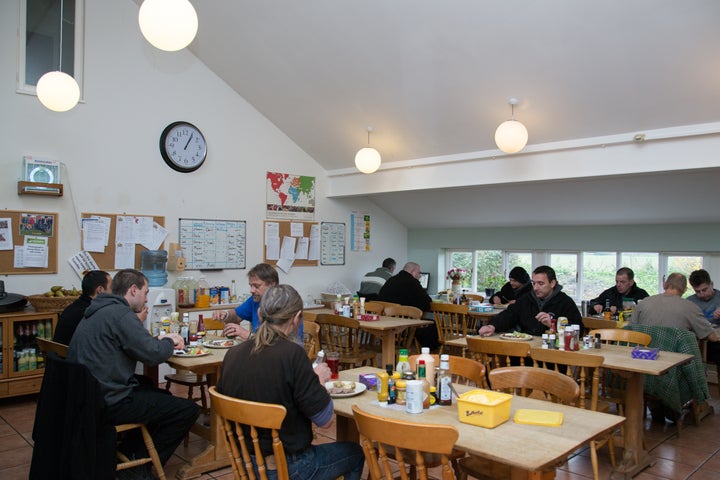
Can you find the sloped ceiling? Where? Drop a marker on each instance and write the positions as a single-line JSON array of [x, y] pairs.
[[432, 78]]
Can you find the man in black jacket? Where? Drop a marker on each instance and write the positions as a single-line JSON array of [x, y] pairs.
[[94, 283], [625, 287], [533, 313]]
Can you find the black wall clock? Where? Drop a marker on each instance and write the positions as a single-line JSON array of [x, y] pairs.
[[183, 147]]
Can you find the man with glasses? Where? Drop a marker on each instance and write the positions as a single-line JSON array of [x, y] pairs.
[[625, 287]]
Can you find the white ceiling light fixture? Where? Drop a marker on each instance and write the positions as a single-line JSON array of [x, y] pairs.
[[511, 136], [168, 25], [367, 159], [57, 90]]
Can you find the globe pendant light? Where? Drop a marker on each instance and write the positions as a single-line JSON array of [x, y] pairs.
[[511, 136], [57, 90], [169, 25], [367, 159]]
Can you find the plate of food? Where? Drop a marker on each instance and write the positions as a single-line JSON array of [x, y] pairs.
[[220, 343], [341, 389], [191, 352], [523, 337]]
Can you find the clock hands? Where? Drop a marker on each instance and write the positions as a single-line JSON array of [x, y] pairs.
[[188, 142]]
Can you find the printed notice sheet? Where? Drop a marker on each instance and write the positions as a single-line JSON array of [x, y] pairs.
[[332, 248], [213, 244]]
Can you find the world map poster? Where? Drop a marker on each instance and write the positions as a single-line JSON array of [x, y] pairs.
[[290, 196]]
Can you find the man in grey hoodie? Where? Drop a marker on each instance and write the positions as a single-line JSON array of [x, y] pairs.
[[110, 341]]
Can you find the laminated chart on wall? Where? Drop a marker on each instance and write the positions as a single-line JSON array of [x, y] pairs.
[[213, 244], [360, 235], [332, 243]]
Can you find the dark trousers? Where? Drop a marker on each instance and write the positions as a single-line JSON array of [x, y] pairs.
[[167, 418]]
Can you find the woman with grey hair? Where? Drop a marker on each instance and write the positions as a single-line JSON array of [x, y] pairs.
[[272, 368]]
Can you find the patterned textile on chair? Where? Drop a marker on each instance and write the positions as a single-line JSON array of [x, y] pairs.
[[683, 383]]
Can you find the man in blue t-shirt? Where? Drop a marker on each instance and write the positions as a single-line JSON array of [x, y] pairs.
[[706, 296], [261, 277]]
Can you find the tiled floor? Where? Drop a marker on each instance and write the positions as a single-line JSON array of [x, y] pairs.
[[695, 454]]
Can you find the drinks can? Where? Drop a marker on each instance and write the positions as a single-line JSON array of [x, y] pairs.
[[224, 295], [414, 396], [346, 312], [584, 308]]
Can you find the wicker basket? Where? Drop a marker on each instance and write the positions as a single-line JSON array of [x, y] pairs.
[[41, 303]]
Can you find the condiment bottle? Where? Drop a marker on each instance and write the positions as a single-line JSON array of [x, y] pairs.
[[200, 327], [425, 385], [444, 393], [403, 364], [392, 389], [320, 359], [429, 364], [607, 313], [400, 388], [382, 393]]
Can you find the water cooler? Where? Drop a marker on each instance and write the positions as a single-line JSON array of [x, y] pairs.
[[160, 303]]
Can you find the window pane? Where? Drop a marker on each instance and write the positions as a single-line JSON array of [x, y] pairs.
[[565, 266], [462, 260], [598, 273], [489, 270], [42, 38], [646, 268], [685, 265], [519, 259]]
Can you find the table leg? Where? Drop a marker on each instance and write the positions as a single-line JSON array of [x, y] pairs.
[[520, 474], [388, 348], [635, 457]]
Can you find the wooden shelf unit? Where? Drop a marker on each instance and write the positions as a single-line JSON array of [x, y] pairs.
[[37, 188]]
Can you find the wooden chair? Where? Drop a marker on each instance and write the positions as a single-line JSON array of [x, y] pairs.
[[464, 371], [527, 381], [153, 458], [311, 338], [585, 370], [234, 414], [474, 296], [620, 336], [451, 322], [377, 307], [343, 335], [406, 338], [498, 353], [46, 346], [384, 440], [593, 323]]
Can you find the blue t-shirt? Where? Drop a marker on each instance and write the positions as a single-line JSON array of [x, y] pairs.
[[709, 307], [248, 310]]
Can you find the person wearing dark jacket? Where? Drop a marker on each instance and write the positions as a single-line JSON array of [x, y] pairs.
[[518, 285], [94, 283], [625, 287], [405, 289], [533, 313]]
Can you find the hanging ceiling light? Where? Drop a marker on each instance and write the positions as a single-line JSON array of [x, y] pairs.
[[511, 136], [367, 159], [57, 90], [169, 25]]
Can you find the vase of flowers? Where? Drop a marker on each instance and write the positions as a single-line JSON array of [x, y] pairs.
[[457, 276]]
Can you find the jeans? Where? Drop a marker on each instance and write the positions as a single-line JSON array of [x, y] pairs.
[[327, 461], [167, 418]]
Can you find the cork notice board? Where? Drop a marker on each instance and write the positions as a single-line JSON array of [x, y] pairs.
[[42, 224], [106, 260], [277, 231]]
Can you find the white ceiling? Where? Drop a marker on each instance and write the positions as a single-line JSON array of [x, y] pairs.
[[433, 77]]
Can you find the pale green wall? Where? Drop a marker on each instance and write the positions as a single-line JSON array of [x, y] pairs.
[[427, 245]]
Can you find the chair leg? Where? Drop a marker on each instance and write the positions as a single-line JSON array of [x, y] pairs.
[[594, 459], [159, 471]]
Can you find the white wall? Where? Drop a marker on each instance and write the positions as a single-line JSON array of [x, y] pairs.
[[109, 149]]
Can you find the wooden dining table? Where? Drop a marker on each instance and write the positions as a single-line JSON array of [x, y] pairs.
[[386, 329], [618, 358], [532, 452]]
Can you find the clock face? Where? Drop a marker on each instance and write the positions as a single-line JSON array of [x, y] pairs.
[[183, 147]]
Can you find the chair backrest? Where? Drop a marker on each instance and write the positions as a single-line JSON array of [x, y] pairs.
[[474, 296], [498, 353], [343, 335], [210, 324], [593, 323], [375, 308], [311, 338], [387, 441], [450, 320], [584, 369], [535, 382], [464, 371], [46, 346], [620, 336], [242, 417], [403, 311]]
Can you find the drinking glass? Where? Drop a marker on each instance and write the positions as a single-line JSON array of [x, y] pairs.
[[333, 361]]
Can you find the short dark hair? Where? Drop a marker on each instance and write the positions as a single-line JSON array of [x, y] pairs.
[[389, 263], [698, 277], [547, 270], [265, 272], [626, 271], [94, 279], [125, 279]]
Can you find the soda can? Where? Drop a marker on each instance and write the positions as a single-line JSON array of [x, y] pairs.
[[414, 396], [224, 295]]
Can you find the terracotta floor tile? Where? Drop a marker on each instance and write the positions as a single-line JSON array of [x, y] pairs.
[[20, 472], [703, 474], [676, 453], [12, 442], [14, 458], [668, 469]]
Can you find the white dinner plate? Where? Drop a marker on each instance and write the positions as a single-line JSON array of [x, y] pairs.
[[359, 388], [510, 336], [220, 343], [183, 353]]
